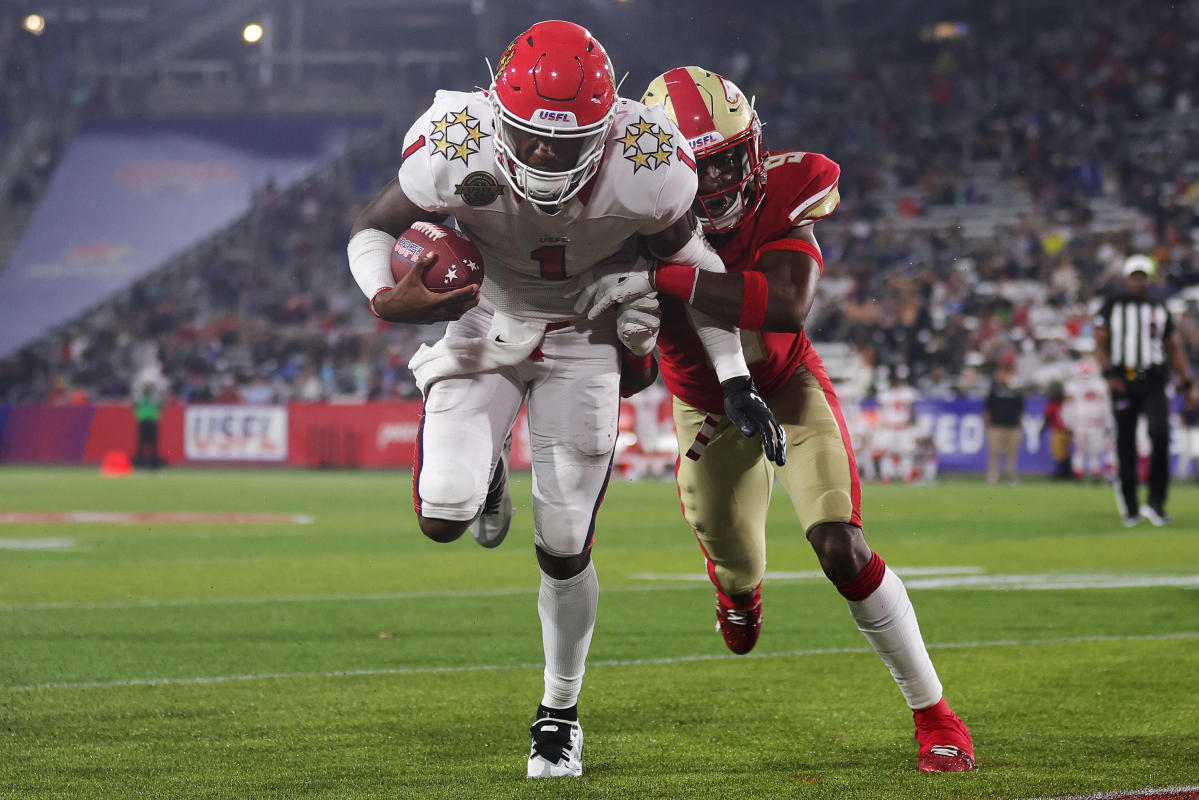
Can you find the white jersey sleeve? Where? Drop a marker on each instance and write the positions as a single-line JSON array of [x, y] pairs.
[[678, 190], [647, 139], [442, 147]]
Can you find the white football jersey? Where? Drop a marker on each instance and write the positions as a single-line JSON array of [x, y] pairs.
[[1087, 404], [534, 261], [895, 405]]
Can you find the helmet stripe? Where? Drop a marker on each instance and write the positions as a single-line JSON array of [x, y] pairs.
[[690, 111]]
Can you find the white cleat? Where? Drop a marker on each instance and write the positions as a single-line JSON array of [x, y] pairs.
[[557, 750], [491, 526], [1156, 518]]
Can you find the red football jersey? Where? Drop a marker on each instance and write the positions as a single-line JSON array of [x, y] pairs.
[[800, 188]]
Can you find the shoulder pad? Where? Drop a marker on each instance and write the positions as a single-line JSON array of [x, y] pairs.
[[650, 165], [451, 140], [805, 182]]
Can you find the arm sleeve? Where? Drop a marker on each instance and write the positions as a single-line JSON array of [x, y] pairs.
[[721, 342]]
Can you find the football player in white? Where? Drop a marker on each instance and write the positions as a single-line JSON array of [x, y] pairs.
[[1088, 414], [552, 175]]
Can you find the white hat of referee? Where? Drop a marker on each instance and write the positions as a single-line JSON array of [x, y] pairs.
[[1138, 263]]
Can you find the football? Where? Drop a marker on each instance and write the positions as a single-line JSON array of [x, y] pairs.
[[458, 261]]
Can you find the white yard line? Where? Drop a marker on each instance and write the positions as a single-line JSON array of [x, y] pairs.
[[970, 578], [1040, 582], [1025, 583], [815, 574], [593, 665], [310, 598], [1171, 791], [37, 544], [152, 517]]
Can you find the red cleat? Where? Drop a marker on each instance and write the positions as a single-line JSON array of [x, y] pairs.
[[945, 744], [741, 623]]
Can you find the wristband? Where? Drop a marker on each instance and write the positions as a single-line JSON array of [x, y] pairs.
[[676, 280], [753, 301], [371, 303], [798, 245]]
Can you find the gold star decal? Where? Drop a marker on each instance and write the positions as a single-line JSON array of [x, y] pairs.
[[659, 157], [639, 160], [462, 151], [448, 142], [650, 159], [474, 134], [629, 140]]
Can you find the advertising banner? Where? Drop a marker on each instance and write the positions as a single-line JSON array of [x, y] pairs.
[[235, 433]]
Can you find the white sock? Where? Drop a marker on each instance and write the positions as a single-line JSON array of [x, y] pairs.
[[567, 610], [888, 621]]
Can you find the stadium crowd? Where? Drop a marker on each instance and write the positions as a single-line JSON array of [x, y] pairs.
[[991, 186]]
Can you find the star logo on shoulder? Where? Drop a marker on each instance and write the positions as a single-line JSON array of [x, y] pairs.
[[646, 144], [457, 136]]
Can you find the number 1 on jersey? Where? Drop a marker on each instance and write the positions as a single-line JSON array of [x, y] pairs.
[[552, 258]]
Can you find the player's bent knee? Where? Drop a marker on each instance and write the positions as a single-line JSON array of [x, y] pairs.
[[442, 530], [451, 486], [841, 549], [563, 567]]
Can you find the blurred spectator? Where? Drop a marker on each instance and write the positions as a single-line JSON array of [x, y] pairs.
[[989, 188], [147, 411], [1003, 413], [1060, 434]]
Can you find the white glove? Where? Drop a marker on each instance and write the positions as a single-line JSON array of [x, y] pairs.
[[638, 322], [605, 291]]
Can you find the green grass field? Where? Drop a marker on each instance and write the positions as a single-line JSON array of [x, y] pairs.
[[352, 658]]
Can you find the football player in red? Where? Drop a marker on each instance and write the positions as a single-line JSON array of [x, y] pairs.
[[553, 177], [759, 211]]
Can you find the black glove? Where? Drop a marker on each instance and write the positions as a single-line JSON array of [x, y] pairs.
[[750, 414]]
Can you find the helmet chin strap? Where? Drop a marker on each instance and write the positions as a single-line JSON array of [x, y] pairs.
[[546, 190]]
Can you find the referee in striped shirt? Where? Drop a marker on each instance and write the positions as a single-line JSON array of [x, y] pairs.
[[1134, 337]]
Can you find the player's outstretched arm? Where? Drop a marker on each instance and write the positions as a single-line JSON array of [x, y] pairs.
[[722, 342], [776, 296], [372, 238]]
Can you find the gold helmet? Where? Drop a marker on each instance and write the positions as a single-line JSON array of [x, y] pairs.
[[714, 116]]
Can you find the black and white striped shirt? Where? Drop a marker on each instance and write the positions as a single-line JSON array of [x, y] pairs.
[[1139, 327]]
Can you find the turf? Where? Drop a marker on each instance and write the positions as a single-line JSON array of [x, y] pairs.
[[352, 658]]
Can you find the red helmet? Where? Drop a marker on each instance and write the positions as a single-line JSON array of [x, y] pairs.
[[554, 81], [715, 117]]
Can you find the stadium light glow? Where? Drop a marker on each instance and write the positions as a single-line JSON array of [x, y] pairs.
[[252, 33], [35, 24]]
